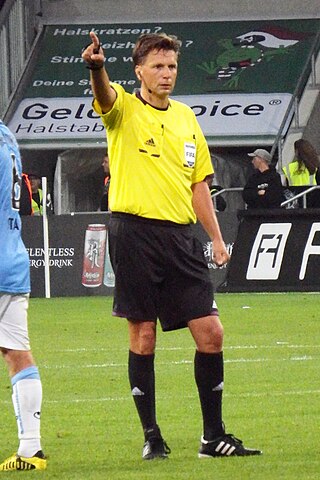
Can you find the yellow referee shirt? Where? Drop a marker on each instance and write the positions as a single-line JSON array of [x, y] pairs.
[[154, 156]]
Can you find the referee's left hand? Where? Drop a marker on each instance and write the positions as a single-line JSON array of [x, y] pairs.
[[220, 256]]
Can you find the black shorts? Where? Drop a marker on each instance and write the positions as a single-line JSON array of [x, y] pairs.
[[161, 272]]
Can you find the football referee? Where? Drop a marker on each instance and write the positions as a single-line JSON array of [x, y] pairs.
[[159, 162]]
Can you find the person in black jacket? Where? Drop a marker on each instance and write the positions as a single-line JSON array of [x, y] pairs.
[[104, 201], [263, 188]]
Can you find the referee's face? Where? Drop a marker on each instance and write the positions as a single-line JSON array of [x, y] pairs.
[[158, 73]]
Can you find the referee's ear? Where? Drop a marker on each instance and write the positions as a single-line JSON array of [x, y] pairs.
[[138, 72]]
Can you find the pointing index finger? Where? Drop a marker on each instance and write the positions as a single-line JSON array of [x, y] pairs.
[[95, 41]]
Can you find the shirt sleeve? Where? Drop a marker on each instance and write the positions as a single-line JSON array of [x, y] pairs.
[[203, 164], [112, 118]]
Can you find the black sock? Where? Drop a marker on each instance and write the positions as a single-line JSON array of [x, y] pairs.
[[142, 382], [208, 371]]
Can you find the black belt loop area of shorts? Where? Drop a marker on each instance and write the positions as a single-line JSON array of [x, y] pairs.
[[151, 221]]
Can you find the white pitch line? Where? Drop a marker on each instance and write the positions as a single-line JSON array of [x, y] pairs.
[[191, 396], [278, 345], [180, 362], [161, 397]]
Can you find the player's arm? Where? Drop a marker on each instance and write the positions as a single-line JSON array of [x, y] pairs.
[[102, 90], [203, 207]]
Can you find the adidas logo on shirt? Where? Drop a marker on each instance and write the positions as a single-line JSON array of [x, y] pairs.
[[150, 142]]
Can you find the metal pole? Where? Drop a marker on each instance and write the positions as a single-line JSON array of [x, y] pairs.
[[296, 112], [313, 71], [45, 238]]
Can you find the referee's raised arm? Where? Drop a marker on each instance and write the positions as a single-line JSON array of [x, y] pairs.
[[93, 55]]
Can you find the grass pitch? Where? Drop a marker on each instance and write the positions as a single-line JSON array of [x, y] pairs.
[[90, 428]]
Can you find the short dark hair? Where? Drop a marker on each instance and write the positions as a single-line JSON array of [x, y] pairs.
[[154, 41]]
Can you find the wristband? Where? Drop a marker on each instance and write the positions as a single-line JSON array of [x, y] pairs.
[[94, 66]]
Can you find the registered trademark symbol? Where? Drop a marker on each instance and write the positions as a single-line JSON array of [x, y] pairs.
[[275, 102]]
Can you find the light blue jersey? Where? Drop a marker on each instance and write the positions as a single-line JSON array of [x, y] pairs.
[[14, 259]]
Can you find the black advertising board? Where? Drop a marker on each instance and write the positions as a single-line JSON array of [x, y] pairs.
[[271, 251], [67, 235], [78, 258], [229, 228], [276, 251]]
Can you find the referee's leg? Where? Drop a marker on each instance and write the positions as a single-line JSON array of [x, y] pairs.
[[208, 369], [142, 337]]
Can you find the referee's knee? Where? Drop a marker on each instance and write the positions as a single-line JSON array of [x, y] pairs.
[[208, 334], [143, 338]]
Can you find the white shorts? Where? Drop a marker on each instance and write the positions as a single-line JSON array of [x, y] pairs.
[[14, 321]]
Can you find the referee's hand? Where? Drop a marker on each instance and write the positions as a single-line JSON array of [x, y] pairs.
[[93, 53], [220, 255]]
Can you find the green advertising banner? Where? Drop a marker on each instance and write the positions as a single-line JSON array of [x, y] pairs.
[[246, 57], [238, 72]]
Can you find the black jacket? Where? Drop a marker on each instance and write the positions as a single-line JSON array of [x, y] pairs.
[[104, 202], [270, 181]]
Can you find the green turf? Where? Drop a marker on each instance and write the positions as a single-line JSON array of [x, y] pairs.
[[90, 428]]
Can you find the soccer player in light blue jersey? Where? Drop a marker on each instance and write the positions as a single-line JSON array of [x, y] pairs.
[[14, 299]]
